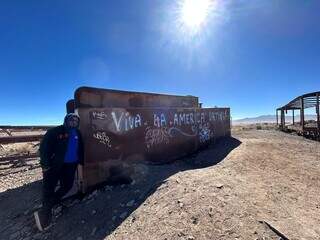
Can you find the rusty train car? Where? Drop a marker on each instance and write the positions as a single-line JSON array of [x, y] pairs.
[[121, 128]]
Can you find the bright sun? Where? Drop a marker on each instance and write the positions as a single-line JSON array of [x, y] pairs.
[[194, 14]]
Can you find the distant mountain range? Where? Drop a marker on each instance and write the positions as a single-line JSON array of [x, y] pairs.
[[271, 119]]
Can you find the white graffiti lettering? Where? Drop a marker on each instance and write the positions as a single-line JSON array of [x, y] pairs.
[[202, 117], [159, 121], [205, 133], [175, 119], [103, 138], [156, 136], [116, 120], [126, 121], [99, 115], [137, 121], [217, 116], [183, 119], [174, 130]]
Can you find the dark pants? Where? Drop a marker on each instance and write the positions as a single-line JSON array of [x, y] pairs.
[[65, 176]]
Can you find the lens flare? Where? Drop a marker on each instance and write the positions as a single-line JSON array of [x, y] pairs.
[[193, 14]]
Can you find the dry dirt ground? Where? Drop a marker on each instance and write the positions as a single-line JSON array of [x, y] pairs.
[[231, 190]]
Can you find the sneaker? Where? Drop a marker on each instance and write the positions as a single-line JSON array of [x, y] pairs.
[[42, 220]]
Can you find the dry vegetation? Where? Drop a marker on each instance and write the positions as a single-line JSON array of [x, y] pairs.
[[227, 191]]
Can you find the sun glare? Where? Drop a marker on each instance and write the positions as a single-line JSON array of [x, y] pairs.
[[194, 14]]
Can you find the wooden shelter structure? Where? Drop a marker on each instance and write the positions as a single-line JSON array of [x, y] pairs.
[[309, 128]]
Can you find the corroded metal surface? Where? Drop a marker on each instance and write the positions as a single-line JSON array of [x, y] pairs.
[[19, 139], [29, 128], [18, 157], [115, 137], [95, 97]]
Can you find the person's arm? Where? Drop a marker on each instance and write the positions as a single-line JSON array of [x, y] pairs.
[[81, 149], [46, 150], [81, 159]]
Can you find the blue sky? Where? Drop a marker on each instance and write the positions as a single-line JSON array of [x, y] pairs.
[[251, 56]]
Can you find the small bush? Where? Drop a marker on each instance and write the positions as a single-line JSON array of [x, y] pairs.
[[259, 127]]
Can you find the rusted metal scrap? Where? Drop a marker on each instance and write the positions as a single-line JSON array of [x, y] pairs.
[[18, 157], [14, 138], [276, 231], [19, 139], [29, 128]]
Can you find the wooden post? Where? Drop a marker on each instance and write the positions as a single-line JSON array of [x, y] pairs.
[[318, 112], [293, 117], [302, 115], [277, 117], [282, 119]]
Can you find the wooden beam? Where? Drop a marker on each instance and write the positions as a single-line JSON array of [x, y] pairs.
[[282, 119], [292, 116], [318, 111]]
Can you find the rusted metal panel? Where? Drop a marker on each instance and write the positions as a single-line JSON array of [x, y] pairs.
[[114, 137], [38, 127], [95, 97], [19, 139]]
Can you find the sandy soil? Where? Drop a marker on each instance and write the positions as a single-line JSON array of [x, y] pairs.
[[227, 191]]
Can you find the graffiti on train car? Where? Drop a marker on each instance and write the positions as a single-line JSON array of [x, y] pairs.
[[160, 127], [103, 138], [205, 133], [99, 115], [156, 136], [124, 121]]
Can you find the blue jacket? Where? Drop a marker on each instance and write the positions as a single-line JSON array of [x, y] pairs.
[[54, 145]]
